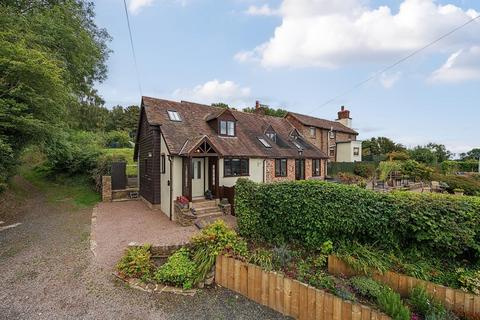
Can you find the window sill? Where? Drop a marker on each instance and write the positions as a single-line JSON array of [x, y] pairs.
[[239, 176]]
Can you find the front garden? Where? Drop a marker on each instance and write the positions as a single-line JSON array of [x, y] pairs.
[[292, 227]]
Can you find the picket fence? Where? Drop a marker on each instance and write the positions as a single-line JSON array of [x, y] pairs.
[[287, 296], [456, 300]]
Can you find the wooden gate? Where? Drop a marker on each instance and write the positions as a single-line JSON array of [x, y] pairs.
[[119, 175]]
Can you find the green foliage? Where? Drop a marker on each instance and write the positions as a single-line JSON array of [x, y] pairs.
[[73, 152], [311, 212], [367, 287], [390, 303], [308, 272], [117, 139], [350, 178], [363, 258], [51, 55], [364, 169], [262, 257], [282, 256], [103, 167], [427, 306], [470, 185], [269, 111], [473, 154], [386, 168], [388, 300], [469, 280], [137, 263], [215, 239], [179, 270]]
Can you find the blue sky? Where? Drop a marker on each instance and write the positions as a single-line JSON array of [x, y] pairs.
[[298, 54]]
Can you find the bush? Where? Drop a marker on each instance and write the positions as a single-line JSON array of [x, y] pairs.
[[179, 270], [137, 263], [427, 306], [72, 153], [365, 170], [262, 257], [366, 287], [215, 239], [469, 280], [312, 212], [117, 139], [350, 178], [470, 185]]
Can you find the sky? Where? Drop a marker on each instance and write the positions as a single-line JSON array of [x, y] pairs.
[[307, 56]]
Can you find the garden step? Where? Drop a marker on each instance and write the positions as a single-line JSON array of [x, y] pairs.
[[204, 221], [202, 203], [199, 211], [209, 214]]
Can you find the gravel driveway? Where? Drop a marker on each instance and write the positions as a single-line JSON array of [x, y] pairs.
[[48, 272]]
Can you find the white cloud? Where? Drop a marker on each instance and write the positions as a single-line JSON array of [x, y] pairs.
[[264, 10], [460, 66], [135, 6], [389, 80], [325, 33], [215, 91]]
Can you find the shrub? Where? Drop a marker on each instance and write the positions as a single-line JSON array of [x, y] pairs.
[[179, 270], [390, 303], [363, 258], [365, 170], [262, 257], [117, 139], [282, 256], [366, 287], [427, 306], [215, 239], [471, 186], [469, 280], [350, 178], [312, 212], [137, 263]]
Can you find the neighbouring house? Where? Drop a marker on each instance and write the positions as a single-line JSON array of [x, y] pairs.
[[185, 149], [336, 138]]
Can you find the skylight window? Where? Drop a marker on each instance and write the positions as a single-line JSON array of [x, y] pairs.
[[297, 144], [265, 143], [173, 115]]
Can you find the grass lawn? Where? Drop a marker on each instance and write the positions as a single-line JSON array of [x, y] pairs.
[[128, 154], [76, 191]]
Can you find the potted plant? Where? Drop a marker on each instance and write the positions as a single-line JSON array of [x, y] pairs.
[[458, 191], [183, 202]]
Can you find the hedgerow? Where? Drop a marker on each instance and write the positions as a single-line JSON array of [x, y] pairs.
[[312, 212]]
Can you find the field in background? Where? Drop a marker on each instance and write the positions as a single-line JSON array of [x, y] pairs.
[[128, 154]]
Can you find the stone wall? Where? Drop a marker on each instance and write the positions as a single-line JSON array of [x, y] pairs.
[[106, 188]]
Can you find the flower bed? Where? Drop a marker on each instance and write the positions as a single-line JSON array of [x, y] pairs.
[[462, 303]]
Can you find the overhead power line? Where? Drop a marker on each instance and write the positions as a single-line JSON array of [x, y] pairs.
[[133, 48], [393, 65]]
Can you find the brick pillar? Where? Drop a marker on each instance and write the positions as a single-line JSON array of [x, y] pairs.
[[106, 188]]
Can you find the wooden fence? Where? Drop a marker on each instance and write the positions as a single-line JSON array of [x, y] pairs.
[[287, 296], [454, 299]]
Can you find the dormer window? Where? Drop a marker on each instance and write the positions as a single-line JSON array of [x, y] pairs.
[[227, 128], [272, 136], [173, 115]]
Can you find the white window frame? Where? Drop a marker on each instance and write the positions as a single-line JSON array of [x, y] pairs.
[[174, 115]]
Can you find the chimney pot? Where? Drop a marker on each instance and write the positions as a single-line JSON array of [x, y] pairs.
[[257, 104]]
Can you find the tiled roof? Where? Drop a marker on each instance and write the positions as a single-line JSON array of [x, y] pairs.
[[182, 136], [322, 123]]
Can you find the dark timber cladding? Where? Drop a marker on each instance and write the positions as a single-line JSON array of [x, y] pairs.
[[148, 143]]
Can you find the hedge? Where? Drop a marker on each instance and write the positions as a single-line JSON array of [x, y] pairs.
[[311, 212]]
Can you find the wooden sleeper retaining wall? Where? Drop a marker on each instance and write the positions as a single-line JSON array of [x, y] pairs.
[[456, 300], [287, 296]]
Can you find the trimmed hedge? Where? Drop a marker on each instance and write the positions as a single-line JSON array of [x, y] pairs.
[[311, 212]]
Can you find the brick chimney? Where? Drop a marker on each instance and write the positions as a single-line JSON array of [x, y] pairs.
[[259, 109], [344, 117]]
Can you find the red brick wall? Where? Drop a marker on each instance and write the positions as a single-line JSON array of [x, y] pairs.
[[270, 170]]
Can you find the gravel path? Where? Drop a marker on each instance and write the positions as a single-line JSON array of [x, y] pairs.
[[47, 272]]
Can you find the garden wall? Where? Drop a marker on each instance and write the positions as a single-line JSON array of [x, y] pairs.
[[454, 299], [312, 212], [287, 296]]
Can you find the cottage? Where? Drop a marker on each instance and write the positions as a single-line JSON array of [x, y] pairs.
[[188, 149], [336, 138]]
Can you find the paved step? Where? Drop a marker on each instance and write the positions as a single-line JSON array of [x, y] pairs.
[[210, 214], [197, 204], [199, 211]]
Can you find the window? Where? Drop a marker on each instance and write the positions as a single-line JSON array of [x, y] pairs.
[[234, 167], [280, 167], [356, 151], [297, 144], [313, 132], [163, 163], [173, 115], [332, 151], [316, 167], [196, 169], [265, 143], [272, 136], [332, 134], [227, 128]]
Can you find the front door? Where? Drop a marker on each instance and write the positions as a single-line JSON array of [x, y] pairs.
[[198, 177], [300, 169]]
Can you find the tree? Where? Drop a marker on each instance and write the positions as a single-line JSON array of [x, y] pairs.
[[380, 146], [473, 154], [221, 105], [430, 154], [269, 111], [440, 151], [51, 55]]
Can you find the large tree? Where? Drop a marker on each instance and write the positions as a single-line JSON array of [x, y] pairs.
[[473, 154], [51, 55], [380, 146]]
